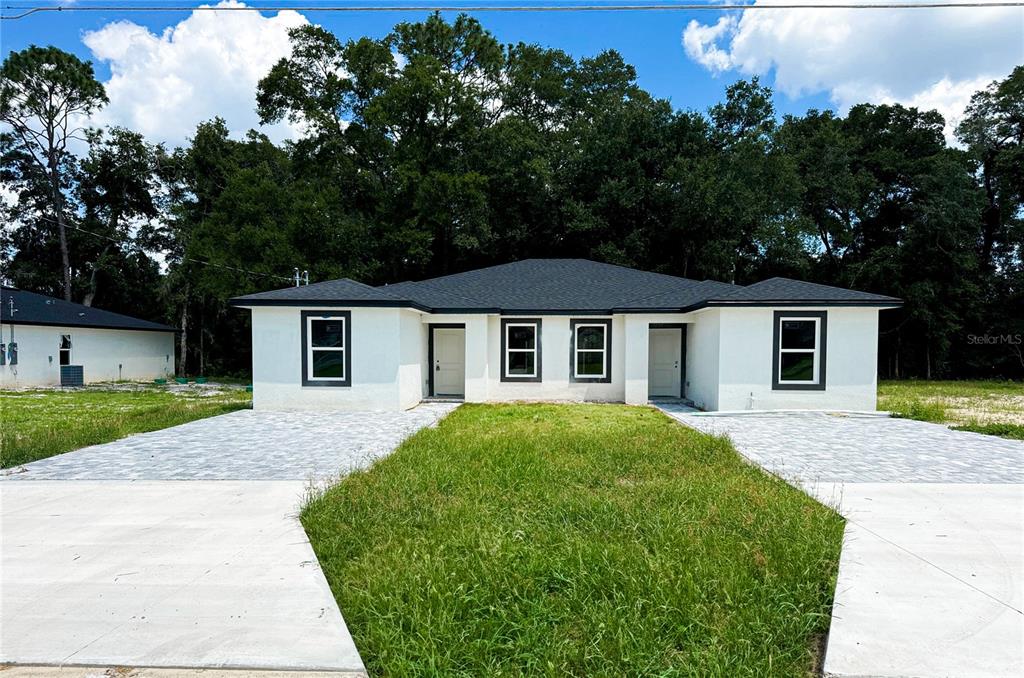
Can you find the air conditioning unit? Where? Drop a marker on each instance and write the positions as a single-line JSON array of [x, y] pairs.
[[72, 375]]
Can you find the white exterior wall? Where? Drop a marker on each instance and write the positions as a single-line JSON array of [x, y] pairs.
[[637, 331], [555, 365], [477, 368], [703, 339], [105, 355], [386, 361], [745, 361], [728, 358]]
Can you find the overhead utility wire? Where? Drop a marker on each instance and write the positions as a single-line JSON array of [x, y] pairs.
[[498, 8], [141, 249]]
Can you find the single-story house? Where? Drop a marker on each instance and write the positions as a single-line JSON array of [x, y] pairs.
[[565, 329], [40, 335]]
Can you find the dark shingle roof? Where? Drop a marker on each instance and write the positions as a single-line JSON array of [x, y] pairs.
[[562, 286], [783, 290], [559, 285], [328, 293], [38, 309]]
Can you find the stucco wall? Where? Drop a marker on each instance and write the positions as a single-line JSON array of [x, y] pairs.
[[745, 361], [386, 362], [105, 355], [728, 358], [555, 365], [702, 359]]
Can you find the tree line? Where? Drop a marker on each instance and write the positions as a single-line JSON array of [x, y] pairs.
[[438, 149]]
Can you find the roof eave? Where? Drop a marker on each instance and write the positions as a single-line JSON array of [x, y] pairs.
[[91, 326], [241, 302], [862, 303]]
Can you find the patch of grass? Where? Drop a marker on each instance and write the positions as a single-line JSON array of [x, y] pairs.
[[589, 540], [922, 410], [41, 423], [1013, 431], [993, 407]]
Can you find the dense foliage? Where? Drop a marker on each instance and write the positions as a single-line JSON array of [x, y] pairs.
[[437, 149]]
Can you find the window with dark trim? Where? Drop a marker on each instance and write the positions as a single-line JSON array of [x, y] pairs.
[[590, 351], [798, 351], [520, 349], [326, 348]]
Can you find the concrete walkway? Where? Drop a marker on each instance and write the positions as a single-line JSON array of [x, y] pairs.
[[143, 566], [931, 578]]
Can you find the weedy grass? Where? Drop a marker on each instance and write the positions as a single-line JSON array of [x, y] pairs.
[[41, 423], [1014, 431], [589, 540], [991, 407]]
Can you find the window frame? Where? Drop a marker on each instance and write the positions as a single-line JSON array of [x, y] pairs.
[[606, 375], [307, 348], [61, 350], [506, 323], [820, 319]]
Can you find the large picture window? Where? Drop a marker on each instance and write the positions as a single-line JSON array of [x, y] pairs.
[[799, 350], [590, 350], [520, 349], [326, 339]]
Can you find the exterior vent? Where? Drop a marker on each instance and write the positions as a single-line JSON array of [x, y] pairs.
[[72, 375]]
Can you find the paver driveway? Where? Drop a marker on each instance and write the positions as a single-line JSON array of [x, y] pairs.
[[182, 547], [931, 580]]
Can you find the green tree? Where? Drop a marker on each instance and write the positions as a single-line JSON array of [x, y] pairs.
[[46, 94]]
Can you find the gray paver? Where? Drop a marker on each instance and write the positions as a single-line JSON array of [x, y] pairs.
[[813, 447], [243, 445], [931, 578]]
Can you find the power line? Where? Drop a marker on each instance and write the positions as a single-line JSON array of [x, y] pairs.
[[689, 7], [141, 249]]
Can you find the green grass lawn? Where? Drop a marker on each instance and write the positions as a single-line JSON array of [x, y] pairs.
[[992, 407], [590, 540], [42, 423]]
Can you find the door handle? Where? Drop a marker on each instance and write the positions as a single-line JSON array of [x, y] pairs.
[[437, 367]]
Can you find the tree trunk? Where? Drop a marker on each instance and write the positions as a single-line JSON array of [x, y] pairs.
[[58, 211], [202, 343], [183, 339]]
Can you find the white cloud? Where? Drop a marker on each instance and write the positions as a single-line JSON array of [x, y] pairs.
[[206, 65], [932, 58]]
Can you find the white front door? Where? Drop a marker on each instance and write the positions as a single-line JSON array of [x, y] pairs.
[[449, 362], [664, 371]]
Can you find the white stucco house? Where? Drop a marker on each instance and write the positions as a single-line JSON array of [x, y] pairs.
[[565, 329], [42, 337]]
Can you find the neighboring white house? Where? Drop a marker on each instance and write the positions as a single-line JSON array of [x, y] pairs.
[[40, 334], [565, 329]]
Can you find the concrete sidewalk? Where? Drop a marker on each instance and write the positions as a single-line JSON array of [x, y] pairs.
[[189, 573], [931, 577], [182, 547]]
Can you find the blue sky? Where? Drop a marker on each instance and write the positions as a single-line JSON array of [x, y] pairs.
[[820, 59]]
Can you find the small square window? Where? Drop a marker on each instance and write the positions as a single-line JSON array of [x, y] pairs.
[[799, 334], [328, 333], [521, 363], [796, 367], [590, 364], [522, 336]]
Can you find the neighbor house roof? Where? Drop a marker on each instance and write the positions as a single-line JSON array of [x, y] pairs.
[[38, 309], [562, 286]]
